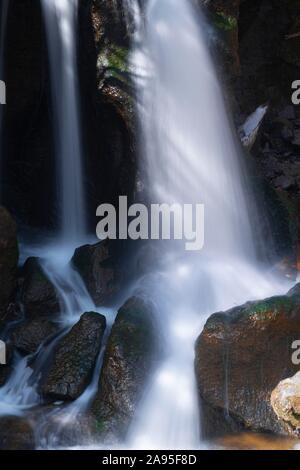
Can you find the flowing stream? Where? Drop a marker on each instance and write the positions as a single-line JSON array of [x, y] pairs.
[[20, 393], [190, 156]]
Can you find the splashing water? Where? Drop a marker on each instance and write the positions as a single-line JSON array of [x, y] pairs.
[[60, 18], [191, 156]]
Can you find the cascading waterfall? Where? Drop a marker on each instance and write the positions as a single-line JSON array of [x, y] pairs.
[[191, 156], [61, 25], [21, 391]]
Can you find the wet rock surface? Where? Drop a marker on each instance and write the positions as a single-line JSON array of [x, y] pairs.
[[99, 270], [8, 258], [74, 359], [38, 294], [241, 356], [16, 434], [129, 360], [27, 337]]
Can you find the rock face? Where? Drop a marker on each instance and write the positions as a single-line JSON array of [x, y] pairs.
[[129, 358], [8, 258], [99, 271], [38, 295], [241, 356], [16, 434], [75, 358], [285, 400], [28, 336]]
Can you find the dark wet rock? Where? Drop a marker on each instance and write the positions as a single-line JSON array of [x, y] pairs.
[[74, 359], [129, 359], [8, 258], [16, 434], [241, 356], [38, 295], [284, 182], [99, 270], [12, 315], [27, 337]]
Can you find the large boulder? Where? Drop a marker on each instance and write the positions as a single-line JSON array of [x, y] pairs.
[[74, 359], [16, 434], [129, 359], [241, 356], [8, 258], [38, 295], [98, 268], [29, 335]]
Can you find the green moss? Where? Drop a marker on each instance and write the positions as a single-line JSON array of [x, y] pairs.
[[114, 60], [271, 306], [225, 22]]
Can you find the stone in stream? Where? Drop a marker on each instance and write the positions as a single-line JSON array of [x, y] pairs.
[[9, 255], [16, 434], [38, 294], [241, 356], [74, 359], [98, 269], [285, 400], [129, 359], [29, 335]]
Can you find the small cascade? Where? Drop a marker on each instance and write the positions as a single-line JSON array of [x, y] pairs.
[[189, 155], [60, 18]]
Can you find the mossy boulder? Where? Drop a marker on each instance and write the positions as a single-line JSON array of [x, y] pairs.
[[241, 356], [129, 360], [74, 359]]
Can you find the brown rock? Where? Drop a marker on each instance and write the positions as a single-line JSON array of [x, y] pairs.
[[241, 356], [129, 359], [74, 359]]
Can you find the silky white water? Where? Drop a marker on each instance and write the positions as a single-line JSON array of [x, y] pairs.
[[20, 393], [60, 18], [189, 155]]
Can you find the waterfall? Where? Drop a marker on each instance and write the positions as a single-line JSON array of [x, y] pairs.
[[60, 18], [188, 154]]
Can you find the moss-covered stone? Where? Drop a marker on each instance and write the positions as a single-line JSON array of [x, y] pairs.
[[129, 359], [241, 356], [74, 359]]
